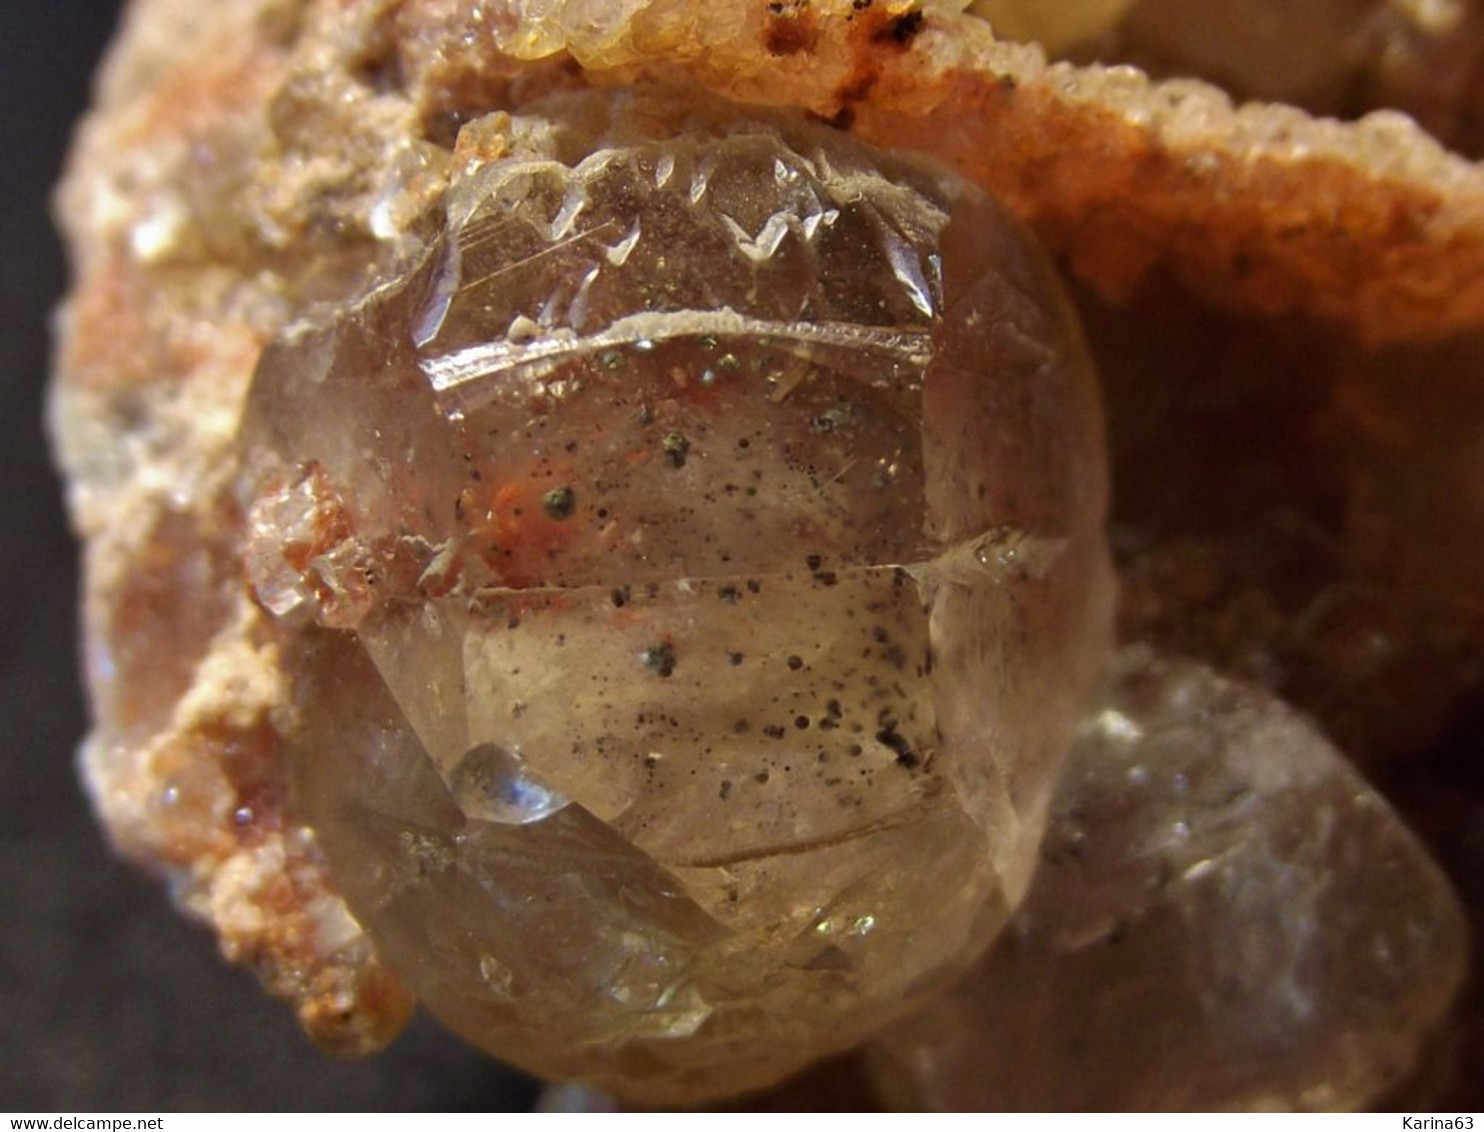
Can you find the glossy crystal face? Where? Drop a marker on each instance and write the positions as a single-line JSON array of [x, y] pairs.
[[693, 573], [1229, 917]]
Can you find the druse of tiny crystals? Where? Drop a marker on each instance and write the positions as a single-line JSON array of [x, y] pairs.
[[692, 575]]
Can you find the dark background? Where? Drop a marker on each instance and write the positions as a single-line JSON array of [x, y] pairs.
[[108, 1000]]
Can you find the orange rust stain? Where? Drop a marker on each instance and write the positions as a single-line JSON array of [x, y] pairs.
[[519, 538], [790, 31], [875, 36]]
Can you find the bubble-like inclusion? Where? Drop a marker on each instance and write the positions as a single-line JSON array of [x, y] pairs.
[[692, 574]]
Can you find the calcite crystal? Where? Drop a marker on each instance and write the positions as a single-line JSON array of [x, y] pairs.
[[1226, 917], [718, 517]]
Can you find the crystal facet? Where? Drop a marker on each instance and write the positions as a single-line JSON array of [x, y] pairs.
[[1225, 917], [698, 573]]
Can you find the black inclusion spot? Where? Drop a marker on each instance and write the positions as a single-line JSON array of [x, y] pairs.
[[659, 659], [677, 448], [560, 502], [891, 738]]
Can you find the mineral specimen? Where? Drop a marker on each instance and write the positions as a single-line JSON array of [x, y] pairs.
[[1226, 917], [264, 180], [719, 519]]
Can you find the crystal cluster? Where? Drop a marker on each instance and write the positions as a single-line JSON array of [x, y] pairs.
[[1226, 917], [694, 571]]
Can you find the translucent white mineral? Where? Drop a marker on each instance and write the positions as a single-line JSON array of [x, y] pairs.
[[1225, 917]]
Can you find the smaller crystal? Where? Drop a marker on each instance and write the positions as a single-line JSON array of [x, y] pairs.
[[1225, 917]]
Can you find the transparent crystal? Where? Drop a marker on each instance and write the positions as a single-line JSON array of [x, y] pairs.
[[725, 514], [1226, 917]]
